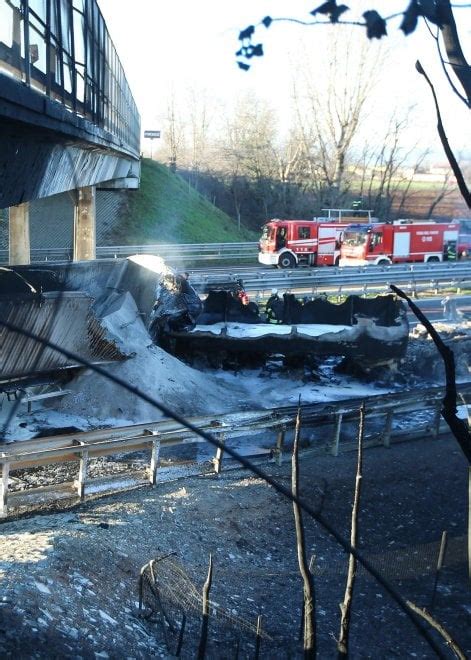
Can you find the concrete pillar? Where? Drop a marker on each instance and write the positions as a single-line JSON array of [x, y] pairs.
[[18, 223], [85, 225]]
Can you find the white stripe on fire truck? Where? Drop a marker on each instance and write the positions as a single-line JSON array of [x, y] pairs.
[[306, 241]]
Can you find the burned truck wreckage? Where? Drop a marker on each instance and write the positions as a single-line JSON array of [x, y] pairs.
[[371, 331], [71, 304]]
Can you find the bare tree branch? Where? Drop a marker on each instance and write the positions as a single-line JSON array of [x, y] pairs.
[[444, 140], [439, 628], [309, 611], [205, 621], [345, 607]]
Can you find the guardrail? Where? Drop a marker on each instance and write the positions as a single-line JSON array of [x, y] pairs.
[[366, 279], [152, 437], [177, 255]]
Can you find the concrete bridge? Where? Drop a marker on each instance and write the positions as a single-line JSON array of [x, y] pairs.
[[68, 121]]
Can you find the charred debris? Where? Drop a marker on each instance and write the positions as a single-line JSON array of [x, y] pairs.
[[68, 304], [227, 325]]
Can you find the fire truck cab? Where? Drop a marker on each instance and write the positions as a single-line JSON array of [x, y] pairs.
[[398, 242], [316, 242], [464, 238]]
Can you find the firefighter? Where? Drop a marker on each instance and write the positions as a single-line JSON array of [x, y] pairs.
[[274, 307], [356, 206], [451, 251], [280, 238]]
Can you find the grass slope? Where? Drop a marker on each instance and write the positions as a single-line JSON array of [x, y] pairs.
[[167, 210]]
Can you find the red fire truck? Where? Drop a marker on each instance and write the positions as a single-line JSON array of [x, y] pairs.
[[287, 243], [398, 242]]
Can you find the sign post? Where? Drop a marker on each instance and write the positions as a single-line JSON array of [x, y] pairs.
[[152, 135]]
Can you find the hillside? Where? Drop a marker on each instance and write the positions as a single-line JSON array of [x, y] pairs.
[[167, 210]]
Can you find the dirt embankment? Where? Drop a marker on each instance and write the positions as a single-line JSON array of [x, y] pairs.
[[69, 581]]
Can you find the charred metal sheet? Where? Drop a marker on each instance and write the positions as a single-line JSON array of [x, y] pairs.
[[63, 318], [372, 330], [356, 342], [100, 279], [63, 303]]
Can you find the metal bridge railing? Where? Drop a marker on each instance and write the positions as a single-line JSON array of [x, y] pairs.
[[155, 435], [62, 49]]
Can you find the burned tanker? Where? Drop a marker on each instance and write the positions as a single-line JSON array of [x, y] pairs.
[[370, 331]]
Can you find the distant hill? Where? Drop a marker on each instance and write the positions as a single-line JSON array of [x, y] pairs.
[[167, 210]]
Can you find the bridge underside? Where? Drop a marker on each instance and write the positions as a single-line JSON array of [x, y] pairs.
[[33, 164], [47, 150]]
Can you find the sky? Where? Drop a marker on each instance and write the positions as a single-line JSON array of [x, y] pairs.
[[169, 47]]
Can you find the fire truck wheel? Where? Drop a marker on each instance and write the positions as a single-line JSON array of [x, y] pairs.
[[286, 261], [383, 262]]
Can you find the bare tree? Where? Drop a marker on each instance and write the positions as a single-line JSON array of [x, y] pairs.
[[345, 607], [446, 189], [385, 176], [439, 15], [331, 103], [249, 147], [309, 607], [198, 131], [173, 133]]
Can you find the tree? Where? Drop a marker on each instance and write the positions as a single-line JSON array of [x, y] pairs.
[[440, 19], [249, 149], [173, 133], [330, 98], [199, 126]]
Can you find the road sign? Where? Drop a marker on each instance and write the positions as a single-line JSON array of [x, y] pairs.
[[151, 134]]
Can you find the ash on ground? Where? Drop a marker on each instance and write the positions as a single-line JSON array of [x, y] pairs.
[[70, 579]]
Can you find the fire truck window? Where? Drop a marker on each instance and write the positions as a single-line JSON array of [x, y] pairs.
[[280, 238], [376, 239], [304, 232]]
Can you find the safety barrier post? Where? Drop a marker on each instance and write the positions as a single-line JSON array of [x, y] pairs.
[[387, 428], [154, 459], [336, 439], [280, 442], [437, 419], [82, 475], [219, 454], [4, 489]]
